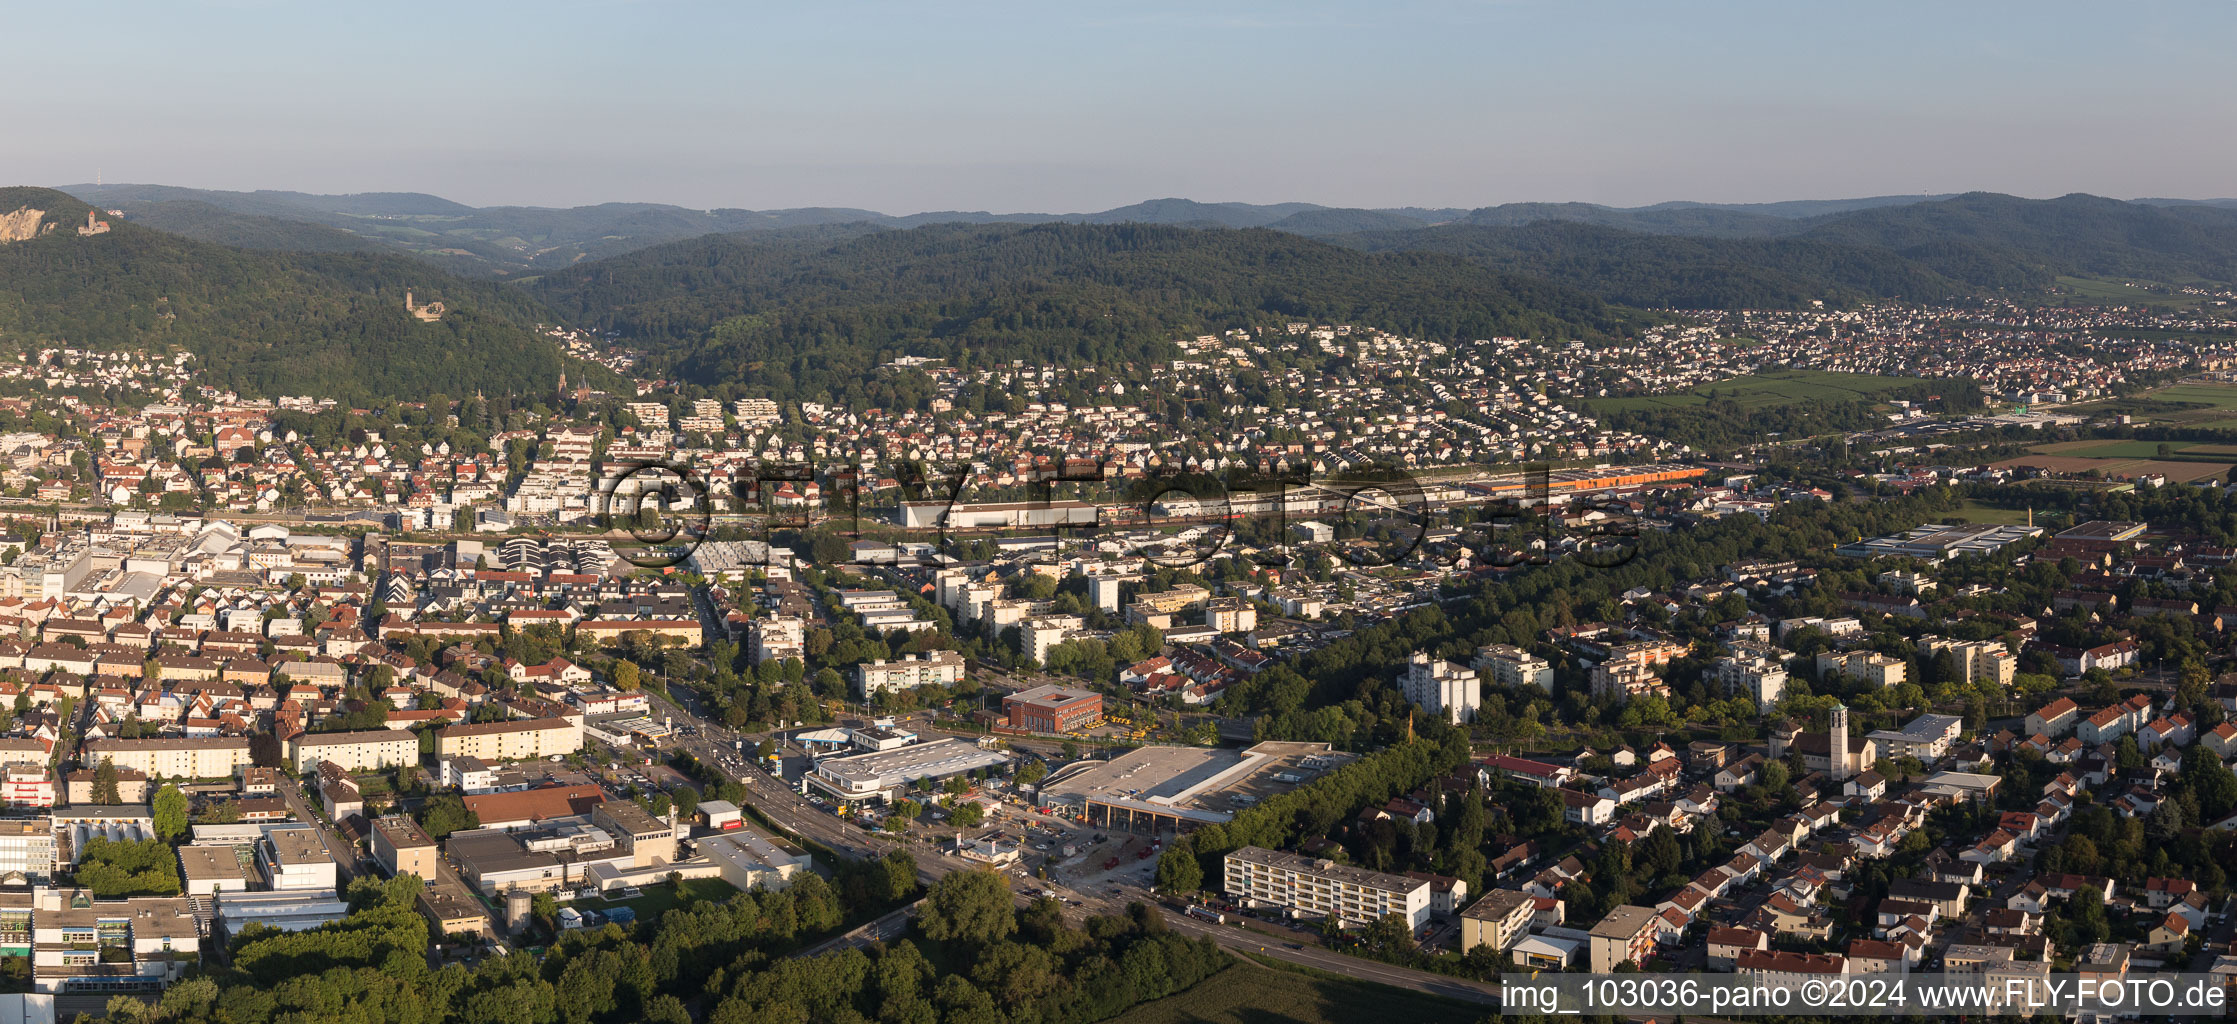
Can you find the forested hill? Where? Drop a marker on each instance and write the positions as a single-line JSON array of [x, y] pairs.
[[2075, 234], [805, 315], [262, 322], [1727, 259], [1676, 271]]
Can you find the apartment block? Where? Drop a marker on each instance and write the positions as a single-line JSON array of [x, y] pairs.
[[1323, 888], [1513, 666], [937, 668], [354, 751], [518, 740], [174, 757]]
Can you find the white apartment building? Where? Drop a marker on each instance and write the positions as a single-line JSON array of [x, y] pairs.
[[1757, 672], [355, 751], [520, 739], [942, 668], [1869, 666], [1513, 666], [173, 757], [1441, 688], [1323, 888], [1978, 661], [1042, 634], [777, 638]]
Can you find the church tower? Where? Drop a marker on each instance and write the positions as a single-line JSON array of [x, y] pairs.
[[1837, 742]]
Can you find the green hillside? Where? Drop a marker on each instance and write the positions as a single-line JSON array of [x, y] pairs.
[[268, 323], [1676, 271], [808, 316]]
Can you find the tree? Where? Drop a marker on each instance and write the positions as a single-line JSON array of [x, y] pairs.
[[968, 907], [446, 813], [627, 676], [1178, 870], [1034, 771], [105, 789], [170, 812], [967, 815]]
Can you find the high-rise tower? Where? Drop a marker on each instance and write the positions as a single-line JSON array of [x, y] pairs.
[[1837, 742]]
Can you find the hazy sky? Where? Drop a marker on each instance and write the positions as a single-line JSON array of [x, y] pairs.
[[1076, 105]]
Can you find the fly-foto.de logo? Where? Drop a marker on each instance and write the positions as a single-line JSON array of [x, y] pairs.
[[1365, 516]]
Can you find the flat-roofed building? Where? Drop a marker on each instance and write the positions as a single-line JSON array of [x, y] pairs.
[[885, 773], [1926, 737], [1506, 665], [404, 848], [749, 859], [1626, 933], [451, 909], [173, 757], [289, 910], [1180, 789], [355, 751], [1499, 920], [26, 851], [80, 944], [551, 856], [294, 858], [1053, 709], [208, 870], [523, 739], [1305, 887], [935, 668], [649, 840]]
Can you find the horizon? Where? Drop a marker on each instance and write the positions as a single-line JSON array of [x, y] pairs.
[[1009, 107], [1921, 197]]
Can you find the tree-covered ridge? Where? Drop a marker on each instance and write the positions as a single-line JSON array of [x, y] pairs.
[[801, 315], [2075, 234], [1677, 271], [269, 323]]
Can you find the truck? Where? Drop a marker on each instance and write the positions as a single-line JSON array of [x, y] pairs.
[[1207, 914]]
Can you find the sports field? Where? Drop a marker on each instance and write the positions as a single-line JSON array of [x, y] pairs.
[[1762, 390]]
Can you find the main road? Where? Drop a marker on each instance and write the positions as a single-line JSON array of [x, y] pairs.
[[711, 743]]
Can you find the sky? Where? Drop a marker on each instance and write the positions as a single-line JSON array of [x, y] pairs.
[[1082, 105]]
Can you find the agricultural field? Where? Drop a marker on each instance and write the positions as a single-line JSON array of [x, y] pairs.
[[1250, 994], [1769, 389], [2192, 403], [2120, 468], [1975, 512], [2096, 291]]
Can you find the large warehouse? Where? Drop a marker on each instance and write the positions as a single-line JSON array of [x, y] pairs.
[[1177, 789], [883, 774]]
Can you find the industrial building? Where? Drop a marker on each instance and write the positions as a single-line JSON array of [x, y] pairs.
[[883, 774], [1178, 789]]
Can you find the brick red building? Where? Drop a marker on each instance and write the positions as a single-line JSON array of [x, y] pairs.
[[1053, 709]]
